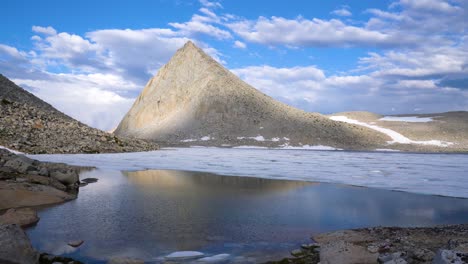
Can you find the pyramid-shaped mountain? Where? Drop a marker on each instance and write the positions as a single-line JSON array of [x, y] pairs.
[[194, 99]]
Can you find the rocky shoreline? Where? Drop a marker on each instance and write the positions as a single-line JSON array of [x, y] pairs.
[[388, 245], [25, 183]]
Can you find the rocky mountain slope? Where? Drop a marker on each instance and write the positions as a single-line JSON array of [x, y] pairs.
[[195, 100], [30, 125]]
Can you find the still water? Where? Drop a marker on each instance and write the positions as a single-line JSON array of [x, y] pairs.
[[150, 213]]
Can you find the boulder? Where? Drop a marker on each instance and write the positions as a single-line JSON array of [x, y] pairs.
[[15, 247], [75, 243], [20, 163], [445, 256], [66, 177], [23, 217], [89, 180]]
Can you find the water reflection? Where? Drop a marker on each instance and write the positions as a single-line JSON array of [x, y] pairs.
[[147, 214]]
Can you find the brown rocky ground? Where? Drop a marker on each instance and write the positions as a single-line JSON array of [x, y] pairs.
[[390, 245]]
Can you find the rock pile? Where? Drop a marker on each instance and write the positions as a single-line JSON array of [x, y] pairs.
[[28, 124]]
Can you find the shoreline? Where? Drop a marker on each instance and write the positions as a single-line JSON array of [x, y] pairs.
[[360, 241]]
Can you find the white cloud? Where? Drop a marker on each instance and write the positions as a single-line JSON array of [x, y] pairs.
[[84, 97], [239, 44], [305, 32], [342, 12], [212, 4], [202, 25], [44, 30]]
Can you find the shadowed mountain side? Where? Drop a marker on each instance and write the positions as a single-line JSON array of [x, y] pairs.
[[195, 99], [31, 125]]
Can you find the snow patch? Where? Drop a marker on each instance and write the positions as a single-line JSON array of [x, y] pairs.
[[12, 151], [396, 137], [409, 119], [275, 139], [309, 147], [257, 138], [214, 259], [249, 147], [205, 138], [388, 150], [188, 140]]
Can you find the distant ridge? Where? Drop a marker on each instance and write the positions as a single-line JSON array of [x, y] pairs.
[[195, 99]]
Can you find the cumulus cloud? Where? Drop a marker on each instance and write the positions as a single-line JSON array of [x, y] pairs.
[[343, 11], [239, 44], [44, 30], [407, 24], [419, 60], [103, 70], [212, 4], [310, 89], [314, 32]]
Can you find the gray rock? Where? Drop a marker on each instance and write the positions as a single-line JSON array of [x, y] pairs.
[[15, 247], [423, 254], [75, 243], [21, 164], [445, 256], [297, 253], [89, 180], [23, 217], [66, 177]]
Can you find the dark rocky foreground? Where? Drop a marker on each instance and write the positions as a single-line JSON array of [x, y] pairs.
[[388, 245], [25, 183], [30, 125], [28, 182]]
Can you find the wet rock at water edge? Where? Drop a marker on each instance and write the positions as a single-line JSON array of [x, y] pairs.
[[75, 243], [23, 217], [15, 247], [89, 180], [52, 259]]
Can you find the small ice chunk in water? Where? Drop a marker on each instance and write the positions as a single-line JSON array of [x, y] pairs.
[[184, 255], [214, 259]]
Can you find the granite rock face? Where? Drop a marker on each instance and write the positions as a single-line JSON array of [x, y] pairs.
[[23, 217], [30, 125], [195, 99], [15, 247], [26, 182]]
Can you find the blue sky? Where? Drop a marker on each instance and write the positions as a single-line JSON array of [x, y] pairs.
[[90, 59]]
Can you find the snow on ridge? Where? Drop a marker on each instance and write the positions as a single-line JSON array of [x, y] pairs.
[[396, 137], [205, 138], [257, 138], [309, 147], [12, 151], [409, 119], [249, 147]]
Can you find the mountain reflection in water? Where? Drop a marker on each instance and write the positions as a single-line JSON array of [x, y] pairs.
[[148, 214]]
